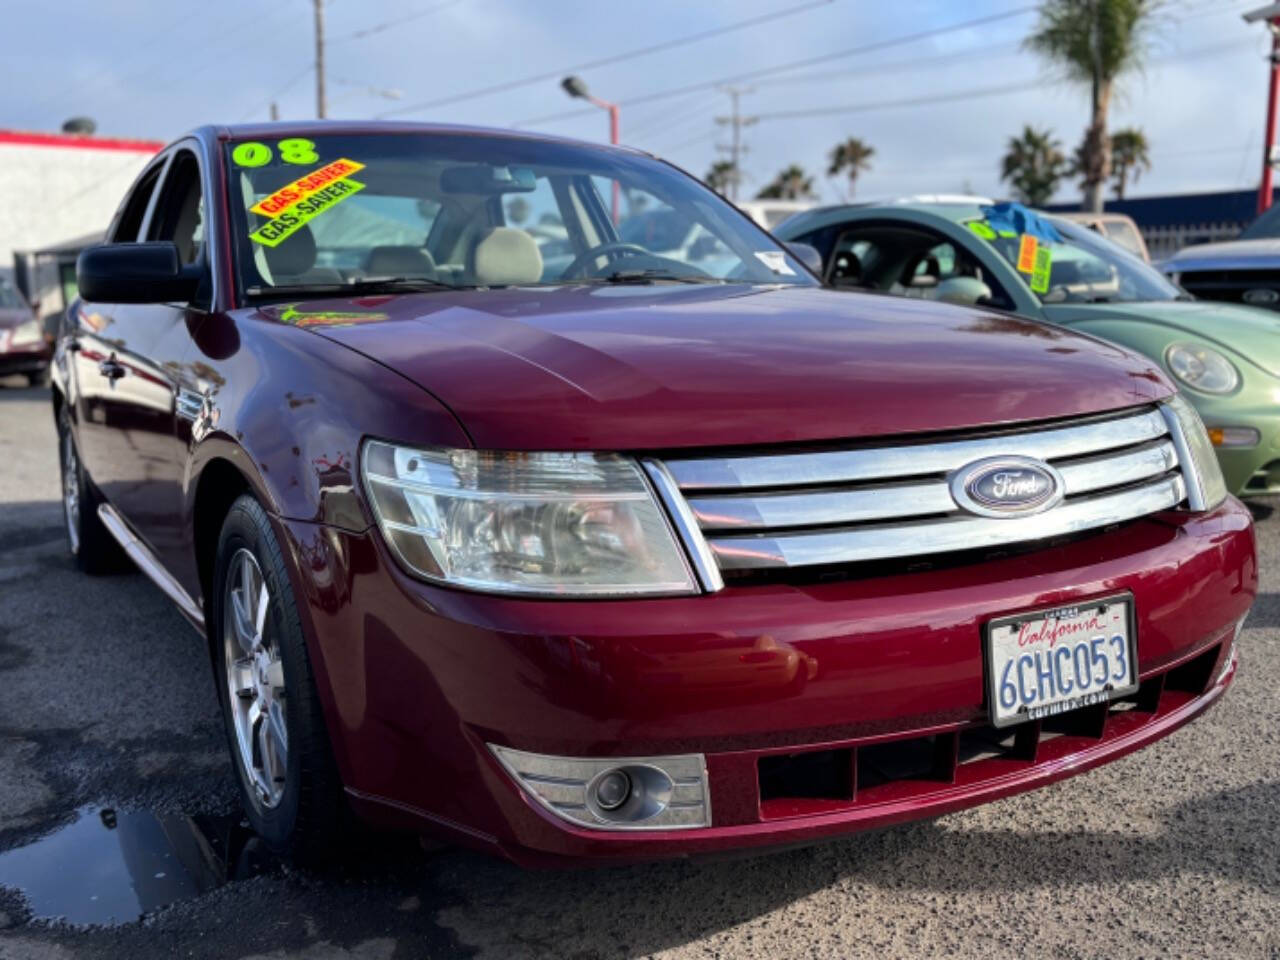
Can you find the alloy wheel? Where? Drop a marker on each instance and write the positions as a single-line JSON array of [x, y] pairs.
[[255, 679], [71, 490]]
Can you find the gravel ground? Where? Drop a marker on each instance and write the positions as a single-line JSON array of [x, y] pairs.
[[108, 703]]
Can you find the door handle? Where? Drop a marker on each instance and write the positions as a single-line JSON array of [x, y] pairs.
[[111, 369]]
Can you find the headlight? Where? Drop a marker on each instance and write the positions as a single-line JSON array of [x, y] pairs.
[[1206, 488], [26, 334], [564, 524], [1201, 368]]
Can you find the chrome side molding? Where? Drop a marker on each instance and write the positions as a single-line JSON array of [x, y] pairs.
[[141, 554]]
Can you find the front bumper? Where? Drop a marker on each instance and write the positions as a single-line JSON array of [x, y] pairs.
[[24, 361], [417, 680]]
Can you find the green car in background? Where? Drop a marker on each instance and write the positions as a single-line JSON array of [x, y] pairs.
[[1224, 358]]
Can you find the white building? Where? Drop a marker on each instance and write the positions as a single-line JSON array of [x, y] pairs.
[[56, 188]]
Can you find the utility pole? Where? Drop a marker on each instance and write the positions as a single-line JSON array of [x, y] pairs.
[[275, 112], [735, 148], [319, 9]]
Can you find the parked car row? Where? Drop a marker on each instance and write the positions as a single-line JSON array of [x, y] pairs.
[[594, 526]]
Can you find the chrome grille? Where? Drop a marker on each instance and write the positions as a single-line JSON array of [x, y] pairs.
[[753, 511]]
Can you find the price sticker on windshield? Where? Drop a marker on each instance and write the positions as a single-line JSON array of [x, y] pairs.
[[1040, 272], [1027, 253]]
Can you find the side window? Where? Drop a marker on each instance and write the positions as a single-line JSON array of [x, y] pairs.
[[179, 214], [129, 220], [852, 260]]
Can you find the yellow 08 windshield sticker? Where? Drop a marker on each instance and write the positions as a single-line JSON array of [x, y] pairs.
[[1040, 273], [291, 207], [982, 229]]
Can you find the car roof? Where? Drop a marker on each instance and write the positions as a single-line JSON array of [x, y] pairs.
[[826, 216], [211, 134]]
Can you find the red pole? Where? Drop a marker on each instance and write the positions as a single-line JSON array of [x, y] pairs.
[[1264, 190], [613, 138]]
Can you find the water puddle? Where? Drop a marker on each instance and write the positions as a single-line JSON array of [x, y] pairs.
[[111, 867]]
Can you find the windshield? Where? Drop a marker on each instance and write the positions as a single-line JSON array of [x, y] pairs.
[[1265, 227], [465, 211], [1081, 267]]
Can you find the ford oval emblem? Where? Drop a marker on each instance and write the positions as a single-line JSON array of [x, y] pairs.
[[1260, 297], [1006, 487]]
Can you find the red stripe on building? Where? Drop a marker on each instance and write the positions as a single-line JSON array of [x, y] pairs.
[[77, 142]]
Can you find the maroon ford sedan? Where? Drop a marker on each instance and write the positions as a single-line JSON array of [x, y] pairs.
[[507, 530]]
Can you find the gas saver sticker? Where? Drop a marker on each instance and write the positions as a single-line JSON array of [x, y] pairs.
[[1040, 273], [293, 217], [305, 186]]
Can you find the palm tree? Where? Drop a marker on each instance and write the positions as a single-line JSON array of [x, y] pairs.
[[850, 157], [1130, 155], [791, 183], [1034, 165], [1098, 42], [722, 176]]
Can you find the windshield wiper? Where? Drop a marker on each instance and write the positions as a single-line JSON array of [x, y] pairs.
[[652, 276], [357, 285]]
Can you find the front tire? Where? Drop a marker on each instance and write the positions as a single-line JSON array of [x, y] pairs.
[[93, 549], [275, 727]]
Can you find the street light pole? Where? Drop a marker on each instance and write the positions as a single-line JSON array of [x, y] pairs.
[[576, 87], [319, 12], [1271, 16]]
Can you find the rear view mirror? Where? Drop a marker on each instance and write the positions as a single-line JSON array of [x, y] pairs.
[[481, 178], [135, 273], [806, 254], [966, 291]]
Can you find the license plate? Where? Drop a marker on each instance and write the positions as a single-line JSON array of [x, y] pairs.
[[1049, 661]]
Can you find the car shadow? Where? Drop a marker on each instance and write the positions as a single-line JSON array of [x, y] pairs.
[[1261, 507], [17, 388], [648, 909]]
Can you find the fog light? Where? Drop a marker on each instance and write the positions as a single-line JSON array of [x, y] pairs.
[[611, 793], [612, 789], [1234, 436]]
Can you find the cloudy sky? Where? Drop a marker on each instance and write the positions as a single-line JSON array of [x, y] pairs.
[[937, 108]]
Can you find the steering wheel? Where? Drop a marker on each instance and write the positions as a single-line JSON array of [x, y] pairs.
[[614, 246]]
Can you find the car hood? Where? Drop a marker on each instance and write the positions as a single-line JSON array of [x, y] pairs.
[[1250, 333], [11, 318], [1232, 255], [652, 367]]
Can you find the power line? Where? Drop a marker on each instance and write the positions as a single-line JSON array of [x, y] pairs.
[[388, 24], [978, 92], [794, 64], [293, 81], [606, 61]]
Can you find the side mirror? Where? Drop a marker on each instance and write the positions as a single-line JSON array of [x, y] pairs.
[[806, 254], [966, 291], [135, 273]]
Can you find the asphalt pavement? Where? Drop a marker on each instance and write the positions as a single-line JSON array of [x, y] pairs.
[[115, 795]]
